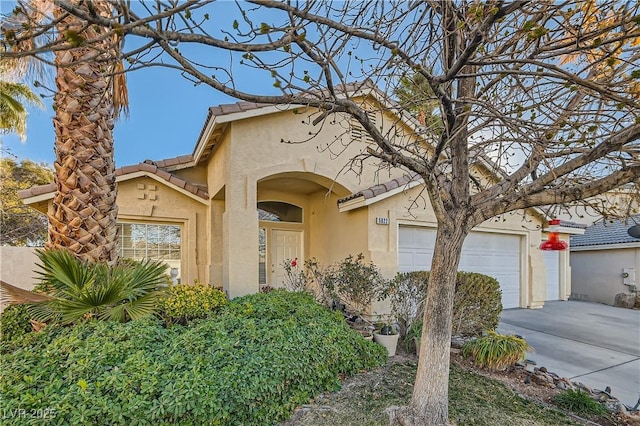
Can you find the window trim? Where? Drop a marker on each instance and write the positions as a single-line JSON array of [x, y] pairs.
[[182, 226], [280, 221]]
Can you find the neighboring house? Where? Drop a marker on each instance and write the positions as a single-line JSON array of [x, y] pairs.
[[605, 261], [247, 200]]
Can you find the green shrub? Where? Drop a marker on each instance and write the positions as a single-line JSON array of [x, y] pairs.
[[496, 351], [350, 282], [579, 402], [81, 290], [477, 304], [357, 283], [413, 336], [258, 359], [188, 302], [476, 307], [407, 293], [14, 322]]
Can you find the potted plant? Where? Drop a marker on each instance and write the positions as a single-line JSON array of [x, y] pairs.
[[387, 336]]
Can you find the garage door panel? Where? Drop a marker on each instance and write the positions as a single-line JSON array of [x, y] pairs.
[[552, 264], [495, 255]]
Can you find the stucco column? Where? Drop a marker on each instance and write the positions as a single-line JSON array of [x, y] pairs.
[[215, 250], [240, 239], [537, 277]]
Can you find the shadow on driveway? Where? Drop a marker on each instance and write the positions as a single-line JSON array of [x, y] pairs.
[[597, 345]]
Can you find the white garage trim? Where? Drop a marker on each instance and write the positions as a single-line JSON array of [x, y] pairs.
[[496, 253]]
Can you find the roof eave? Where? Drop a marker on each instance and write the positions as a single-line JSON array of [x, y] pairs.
[[204, 138], [38, 198], [204, 199], [566, 230], [353, 204], [362, 201], [201, 199], [618, 246]]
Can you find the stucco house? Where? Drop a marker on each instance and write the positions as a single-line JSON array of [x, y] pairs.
[[605, 261], [264, 184]]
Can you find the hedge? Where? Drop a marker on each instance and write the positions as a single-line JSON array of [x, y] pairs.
[[261, 357], [476, 307]]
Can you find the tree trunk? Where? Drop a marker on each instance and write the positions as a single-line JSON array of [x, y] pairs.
[[430, 401], [84, 213]]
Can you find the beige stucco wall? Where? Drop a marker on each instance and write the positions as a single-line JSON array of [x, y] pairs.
[[596, 275], [148, 200], [252, 150], [335, 235], [195, 175], [17, 265]]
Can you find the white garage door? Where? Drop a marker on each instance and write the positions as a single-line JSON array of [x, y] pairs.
[[496, 255], [552, 263]]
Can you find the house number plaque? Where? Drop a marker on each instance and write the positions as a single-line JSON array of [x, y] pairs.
[[382, 220]]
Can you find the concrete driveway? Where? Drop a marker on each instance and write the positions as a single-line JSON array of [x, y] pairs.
[[597, 345]]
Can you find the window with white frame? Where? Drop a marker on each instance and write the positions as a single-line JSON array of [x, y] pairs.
[[139, 241]]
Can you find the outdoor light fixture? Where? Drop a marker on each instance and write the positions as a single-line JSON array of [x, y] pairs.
[[554, 243]]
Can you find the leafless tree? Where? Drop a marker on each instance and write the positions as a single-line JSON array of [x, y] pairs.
[[545, 95]]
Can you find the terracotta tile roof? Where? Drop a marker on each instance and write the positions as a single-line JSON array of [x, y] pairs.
[[382, 188], [171, 162], [225, 109], [607, 232], [155, 169], [37, 190]]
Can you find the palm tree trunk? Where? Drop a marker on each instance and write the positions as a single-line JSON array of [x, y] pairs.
[[84, 214]]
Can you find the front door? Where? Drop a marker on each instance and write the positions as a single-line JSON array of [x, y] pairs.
[[285, 246]]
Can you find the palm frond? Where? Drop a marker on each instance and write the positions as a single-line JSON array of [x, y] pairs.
[[43, 311], [65, 274], [129, 290], [15, 295]]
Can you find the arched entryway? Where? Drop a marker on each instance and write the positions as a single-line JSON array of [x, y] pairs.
[[290, 210]]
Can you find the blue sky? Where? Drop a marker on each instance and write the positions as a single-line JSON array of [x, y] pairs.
[[166, 114], [166, 111]]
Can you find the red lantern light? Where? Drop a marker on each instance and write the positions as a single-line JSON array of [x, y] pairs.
[[554, 243]]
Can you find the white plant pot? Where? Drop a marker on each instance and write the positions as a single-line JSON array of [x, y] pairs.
[[389, 341]]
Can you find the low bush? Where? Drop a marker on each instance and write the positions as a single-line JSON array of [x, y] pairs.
[[407, 293], [252, 364], [496, 351], [413, 336], [579, 402], [476, 307], [358, 283], [477, 304], [189, 302], [14, 322], [351, 282], [79, 290]]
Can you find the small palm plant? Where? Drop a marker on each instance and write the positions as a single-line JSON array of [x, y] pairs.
[[496, 351], [127, 291]]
